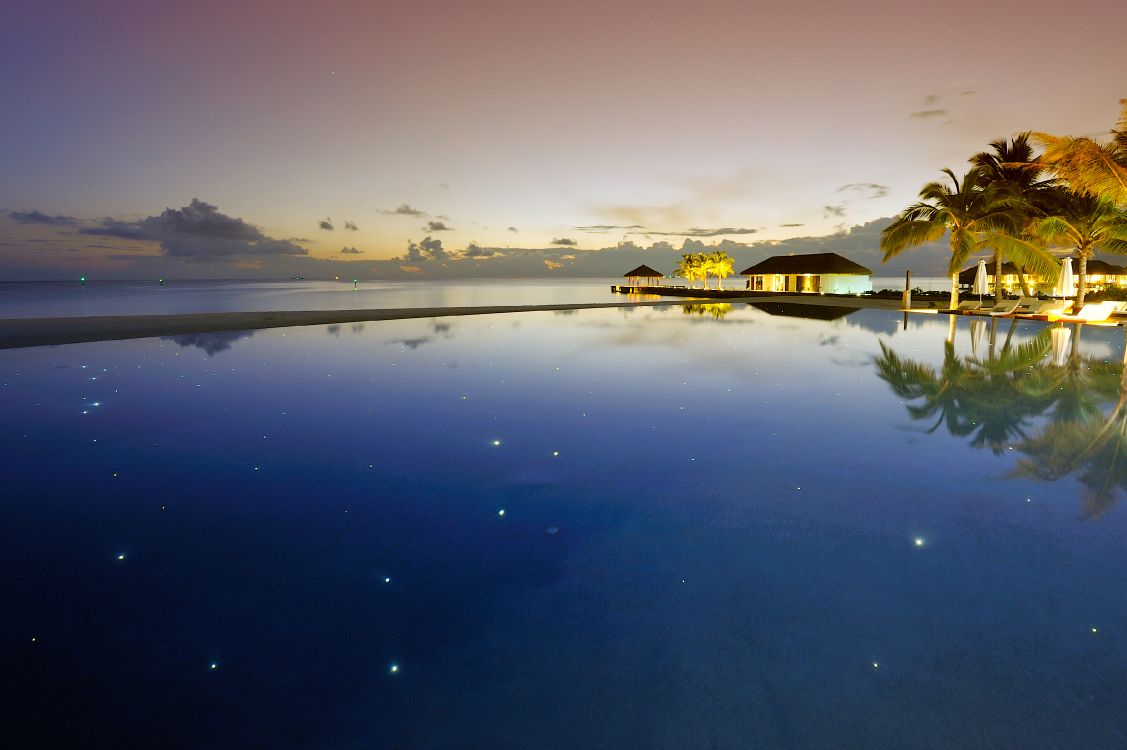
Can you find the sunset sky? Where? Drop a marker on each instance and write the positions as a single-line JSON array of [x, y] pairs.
[[503, 126]]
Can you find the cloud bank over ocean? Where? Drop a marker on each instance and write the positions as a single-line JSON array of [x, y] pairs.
[[200, 241]]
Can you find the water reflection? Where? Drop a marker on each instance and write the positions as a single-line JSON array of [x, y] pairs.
[[802, 310], [1040, 398], [717, 310], [212, 343]]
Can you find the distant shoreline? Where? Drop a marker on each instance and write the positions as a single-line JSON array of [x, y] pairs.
[[16, 333]]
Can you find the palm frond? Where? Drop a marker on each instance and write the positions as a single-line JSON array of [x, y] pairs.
[[904, 235]]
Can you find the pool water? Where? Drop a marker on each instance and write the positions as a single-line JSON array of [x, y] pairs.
[[713, 526]]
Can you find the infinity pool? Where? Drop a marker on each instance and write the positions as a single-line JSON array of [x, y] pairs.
[[711, 526]]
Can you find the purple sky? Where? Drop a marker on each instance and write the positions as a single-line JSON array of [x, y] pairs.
[[495, 125]]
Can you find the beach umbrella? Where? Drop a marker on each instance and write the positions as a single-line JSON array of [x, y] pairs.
[[977, 326], [1060, 339], [980, 285], [1066, 284]]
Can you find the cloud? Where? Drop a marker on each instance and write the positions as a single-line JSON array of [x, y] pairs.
[[701, 232], [38, 217], [838, 210], [198, 230], [931, 99], [473, 250], [351, 251], [351, 226], [552, 265], [513, 229], [866, 190], [405, 209], [792, 225], [925, 114], [437, 226], [326, 224], [598, 228], [564, 241], [426, 250]]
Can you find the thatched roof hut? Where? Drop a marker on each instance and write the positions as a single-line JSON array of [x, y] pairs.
[[643, 274]]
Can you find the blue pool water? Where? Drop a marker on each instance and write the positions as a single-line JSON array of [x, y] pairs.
[[722, 527]]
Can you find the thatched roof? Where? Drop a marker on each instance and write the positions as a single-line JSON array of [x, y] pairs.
[[809, 263], [1095, 266], [645, 272]]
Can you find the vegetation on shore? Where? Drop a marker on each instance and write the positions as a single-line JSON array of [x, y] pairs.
[[699, 266], [1025, 207]]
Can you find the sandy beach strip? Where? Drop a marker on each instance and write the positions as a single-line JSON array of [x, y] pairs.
[[25, 332]]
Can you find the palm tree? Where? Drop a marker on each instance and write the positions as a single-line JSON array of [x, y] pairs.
[[691, 268], [963, 210], [1090, 166], [720, 264], [1011, 169], [1088, 223]]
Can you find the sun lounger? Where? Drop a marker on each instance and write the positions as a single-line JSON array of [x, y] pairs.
[[1049, 307], [1026, 304], [1093, 312], [1005, 307], [964, 307]]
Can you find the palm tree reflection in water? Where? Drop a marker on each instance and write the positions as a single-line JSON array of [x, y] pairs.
[[1051, 409], [717, 310]]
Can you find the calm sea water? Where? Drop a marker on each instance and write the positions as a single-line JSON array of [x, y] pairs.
[[50, 299], [29, 300], [686, 527]]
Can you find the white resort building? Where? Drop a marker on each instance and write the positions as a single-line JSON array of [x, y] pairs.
[[817, 273]]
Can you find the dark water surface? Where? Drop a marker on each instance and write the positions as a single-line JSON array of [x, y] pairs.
[[722, 527]]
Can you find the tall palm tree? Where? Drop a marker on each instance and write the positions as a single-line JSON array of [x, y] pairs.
[[1088, 223], [691, 268], [961, 209], [720, 264], [1011, 168], [1089, 166]]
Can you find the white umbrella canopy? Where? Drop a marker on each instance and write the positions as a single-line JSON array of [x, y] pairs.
[[1066, 284], [981, 286]]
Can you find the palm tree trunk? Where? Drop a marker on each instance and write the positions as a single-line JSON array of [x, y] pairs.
[[954, 290], [1023, 281], [1081, 279], [997, 278]]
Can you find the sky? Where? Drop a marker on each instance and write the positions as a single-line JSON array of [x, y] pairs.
[[398, 139]]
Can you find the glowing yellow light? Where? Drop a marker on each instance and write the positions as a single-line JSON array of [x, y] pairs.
[[919, 541]]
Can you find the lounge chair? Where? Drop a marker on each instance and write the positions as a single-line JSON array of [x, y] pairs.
[[1093, 312], [964, 307], [1026, 304], [1005, 307], [1051, 307]]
